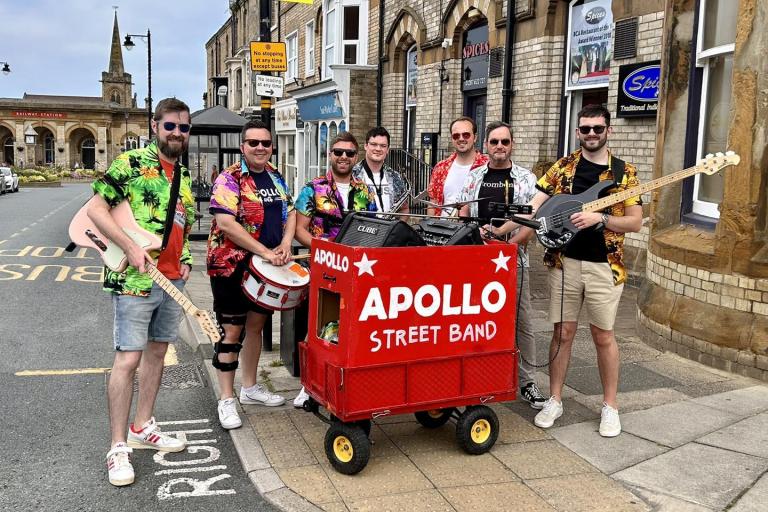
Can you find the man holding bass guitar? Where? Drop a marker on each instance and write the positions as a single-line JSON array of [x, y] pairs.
[[589, 270], [253, 214], [146, 317]]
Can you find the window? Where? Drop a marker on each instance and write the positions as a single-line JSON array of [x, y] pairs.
[[130, 142], [309, 49], [714, 54], [345, 25], [292, 50]]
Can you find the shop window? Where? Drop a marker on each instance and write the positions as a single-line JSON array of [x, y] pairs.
[[292, 50], [344, 24], [714, 55], [342, 126], [333, 131], [411, 97], [48, 149], [323, 148], [309, 48]]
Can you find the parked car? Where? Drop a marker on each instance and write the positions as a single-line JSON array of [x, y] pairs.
[[2, 185], [10, 180]]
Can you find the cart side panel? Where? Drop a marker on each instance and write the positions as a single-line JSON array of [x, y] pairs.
[[368, 389], [431, 381], [313, 371], [490, 373]]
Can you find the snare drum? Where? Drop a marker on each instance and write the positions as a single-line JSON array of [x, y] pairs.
[[278, 288]]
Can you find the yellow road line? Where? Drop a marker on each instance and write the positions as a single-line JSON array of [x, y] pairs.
[[171, 359]]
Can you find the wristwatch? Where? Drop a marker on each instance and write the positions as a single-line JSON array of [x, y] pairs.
[[603, 221]]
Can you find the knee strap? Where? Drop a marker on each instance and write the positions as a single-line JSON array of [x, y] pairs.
[[224, 348], [230, 319]]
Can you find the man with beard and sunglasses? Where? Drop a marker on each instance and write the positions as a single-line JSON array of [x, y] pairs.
[[146, 318], [446, 182], [590, 270], [324, 201], [502, 183], [253, 214]]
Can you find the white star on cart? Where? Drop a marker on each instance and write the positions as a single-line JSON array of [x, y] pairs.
[[501, 262], [365, 266]]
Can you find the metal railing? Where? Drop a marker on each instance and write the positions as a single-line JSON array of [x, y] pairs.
[[415, 170]]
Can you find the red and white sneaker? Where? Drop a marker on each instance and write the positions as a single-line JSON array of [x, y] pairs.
[[119, 465], [150, 437]]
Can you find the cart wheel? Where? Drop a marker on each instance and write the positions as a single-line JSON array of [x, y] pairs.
[[434, 418], [477, 429], [347, 447]]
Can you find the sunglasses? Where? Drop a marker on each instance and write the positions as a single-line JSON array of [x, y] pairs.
[[463, 135], [169, 126], [254, 143], [503, 142], [349, 152], [584, 130]]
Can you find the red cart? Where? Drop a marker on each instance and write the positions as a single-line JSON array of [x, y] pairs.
[[421, 330]]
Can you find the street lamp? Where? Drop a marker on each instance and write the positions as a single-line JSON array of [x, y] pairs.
[[6, 68], [129, 44]]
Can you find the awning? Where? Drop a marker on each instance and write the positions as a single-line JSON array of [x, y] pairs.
[[322, 106]]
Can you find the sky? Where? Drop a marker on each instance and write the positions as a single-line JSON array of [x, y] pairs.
[[60, 47]]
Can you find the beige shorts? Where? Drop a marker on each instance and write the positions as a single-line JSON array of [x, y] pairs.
[[586, 283]]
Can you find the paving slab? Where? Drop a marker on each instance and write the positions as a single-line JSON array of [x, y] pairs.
[[540, 459], [333, 506], [412, 501], [452, 468], [701, 474], [590, 492], [311, 482], [607, 455], [684, 371], [412, 438], [636, 351], [510, 496], [383, 476], [744, 402], [281, 442], [632, 377], [676, 424], [703, 389], [634, 400], [755, 499], [663, 503], [748, 436], [514, 428]]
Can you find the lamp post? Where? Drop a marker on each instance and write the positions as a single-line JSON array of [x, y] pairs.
[[6, 68], [129, 44]]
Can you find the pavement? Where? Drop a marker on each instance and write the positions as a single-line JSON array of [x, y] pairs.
[[694, 438]]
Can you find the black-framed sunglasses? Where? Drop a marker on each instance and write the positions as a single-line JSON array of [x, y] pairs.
[[503, 142], [254, 143], [169, 126], [349, 152], [599, 129]]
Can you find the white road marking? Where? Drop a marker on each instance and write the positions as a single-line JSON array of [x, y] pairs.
[[189, 470], [200, 488]]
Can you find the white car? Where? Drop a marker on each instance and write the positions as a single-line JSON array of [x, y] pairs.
[[11, 179]]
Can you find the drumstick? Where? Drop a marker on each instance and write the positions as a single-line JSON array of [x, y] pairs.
[[297, 257]]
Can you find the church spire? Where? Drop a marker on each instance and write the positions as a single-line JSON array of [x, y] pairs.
[[116, 53]]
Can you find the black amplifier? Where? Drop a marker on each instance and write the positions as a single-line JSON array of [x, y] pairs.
[[449, 232]]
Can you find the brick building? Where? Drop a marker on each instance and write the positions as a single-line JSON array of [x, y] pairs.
[[679, 78], [88, 131]]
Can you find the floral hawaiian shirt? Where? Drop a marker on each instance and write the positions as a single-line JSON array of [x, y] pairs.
[[523, 183], [440, 173], [398, 187], [321, 202], [137, 176], [235, 193], [559, 180]]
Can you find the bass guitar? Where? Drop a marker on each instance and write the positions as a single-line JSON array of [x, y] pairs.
[[552, 221], [84, 233]]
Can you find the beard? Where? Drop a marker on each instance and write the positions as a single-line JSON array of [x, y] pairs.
[[594, 145], [172, 151]]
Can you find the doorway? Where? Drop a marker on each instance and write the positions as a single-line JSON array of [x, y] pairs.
[[476, 109]]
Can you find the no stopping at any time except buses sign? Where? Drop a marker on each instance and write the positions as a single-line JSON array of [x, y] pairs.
[[268, 56]]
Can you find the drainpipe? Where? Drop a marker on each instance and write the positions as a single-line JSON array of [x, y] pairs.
[[509, 53], [380, 70]]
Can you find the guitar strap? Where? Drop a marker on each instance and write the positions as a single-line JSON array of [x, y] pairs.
[[172, 201], [617, 168]]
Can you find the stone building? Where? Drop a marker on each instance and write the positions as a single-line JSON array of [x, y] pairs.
[[87, 131]]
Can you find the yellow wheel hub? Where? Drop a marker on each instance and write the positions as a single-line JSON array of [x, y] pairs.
[[435, 413], [342, 449], [481, 431]]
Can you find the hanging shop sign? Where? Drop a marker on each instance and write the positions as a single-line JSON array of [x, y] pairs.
[[638, 89], [411, 78], [322, 106], [590, 44], [474, 59]]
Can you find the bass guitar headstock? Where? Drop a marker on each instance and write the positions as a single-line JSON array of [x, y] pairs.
[[209, 325], [711, 164]]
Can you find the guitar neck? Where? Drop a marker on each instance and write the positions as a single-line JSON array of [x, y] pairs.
[[605, 202], [171, 290]]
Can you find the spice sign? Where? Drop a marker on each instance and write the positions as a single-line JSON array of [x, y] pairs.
[[268, 56]]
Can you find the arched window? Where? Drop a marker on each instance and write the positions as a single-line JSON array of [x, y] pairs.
[[333, 131], [88, 153], [130, 143], [115, 97], [323, 149], [8, 155], [48, 149]]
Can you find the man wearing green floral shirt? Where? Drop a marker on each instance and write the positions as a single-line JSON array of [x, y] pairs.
[[146, 317]]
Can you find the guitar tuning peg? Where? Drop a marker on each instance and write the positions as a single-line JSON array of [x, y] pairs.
[[729, 153], [709, 155], [719, 154]]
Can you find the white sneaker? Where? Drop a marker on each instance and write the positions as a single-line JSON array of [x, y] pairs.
[[119, 465], [228, 416], [259, 395], [549, 413], [610, 425], [302, 397], [151, 438]]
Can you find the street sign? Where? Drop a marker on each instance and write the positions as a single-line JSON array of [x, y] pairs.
[[268, 56], [269, 86]]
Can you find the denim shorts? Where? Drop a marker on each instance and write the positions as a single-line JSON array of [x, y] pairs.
[[140, 319]]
